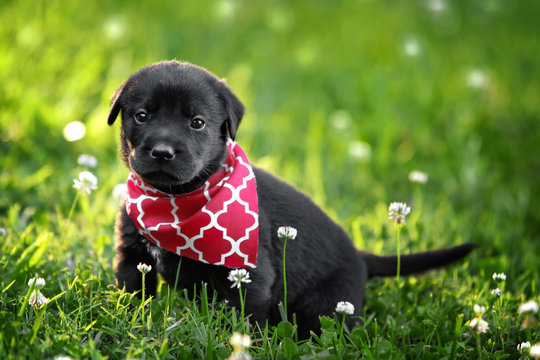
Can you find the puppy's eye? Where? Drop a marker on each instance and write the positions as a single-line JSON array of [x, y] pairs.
[[141, 117], [197, 123]]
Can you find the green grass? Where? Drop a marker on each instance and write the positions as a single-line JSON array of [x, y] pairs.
[[317, 77]]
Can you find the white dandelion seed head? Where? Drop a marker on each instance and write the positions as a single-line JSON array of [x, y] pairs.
[[530, 307], [417, 176], [499, 277], [37, 298], [40, 282], [398, 212], [119, 191], [86, 182], [524, 347], [345, 307], [144, 268], [479, 310], [238, 276], [87, 160], [534, 351], [287, 232], [240, 341], [479, 325], [74, 131], [496, 292]]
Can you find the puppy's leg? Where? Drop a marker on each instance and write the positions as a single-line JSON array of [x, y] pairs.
[[130, 251], [346, 284]]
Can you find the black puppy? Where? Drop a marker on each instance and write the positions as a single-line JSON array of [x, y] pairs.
[[176, 123]]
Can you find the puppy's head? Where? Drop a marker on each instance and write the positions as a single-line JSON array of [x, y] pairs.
[[176, 118]]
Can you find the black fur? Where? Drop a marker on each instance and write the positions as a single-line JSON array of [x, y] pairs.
[[323, 266]]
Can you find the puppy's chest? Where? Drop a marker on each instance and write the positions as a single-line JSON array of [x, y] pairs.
[[155, 251]]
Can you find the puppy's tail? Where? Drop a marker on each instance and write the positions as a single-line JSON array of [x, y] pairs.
[[415, 263]]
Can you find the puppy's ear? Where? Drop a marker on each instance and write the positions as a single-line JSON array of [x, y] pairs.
[[235, 109], [115, 105]]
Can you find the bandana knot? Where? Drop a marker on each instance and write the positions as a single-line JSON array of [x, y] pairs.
[[216, 224]]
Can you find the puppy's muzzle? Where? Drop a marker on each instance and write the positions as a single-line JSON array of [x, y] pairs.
[[162, 152]]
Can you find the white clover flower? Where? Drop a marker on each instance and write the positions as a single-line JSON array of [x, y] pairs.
[[479, 325], [74, 131], [345, 307], [524, 347], [360, 151], [535, 351], [477, 79], [483, 326], [479, 310], [119, 191], [239, 276], [225, 9], [40, 283], [3, 231], [417, 176], [496, 292], [87, 160], [287, 232], [114, 28], [437, 6], [86, 182], [242, 356], [240, 341], [398, 211], [340, 119], [530, 307], [499, 277], [37, 298], [411, 47], [145, 269]]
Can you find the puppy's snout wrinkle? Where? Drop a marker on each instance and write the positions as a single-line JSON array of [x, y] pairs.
[[162, 152]]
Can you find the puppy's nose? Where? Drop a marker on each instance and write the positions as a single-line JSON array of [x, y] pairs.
[[162, 152]]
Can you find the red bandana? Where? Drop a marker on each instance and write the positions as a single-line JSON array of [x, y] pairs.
[[216, 224]]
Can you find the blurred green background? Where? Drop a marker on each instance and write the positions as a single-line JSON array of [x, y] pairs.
[[343, 99]]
